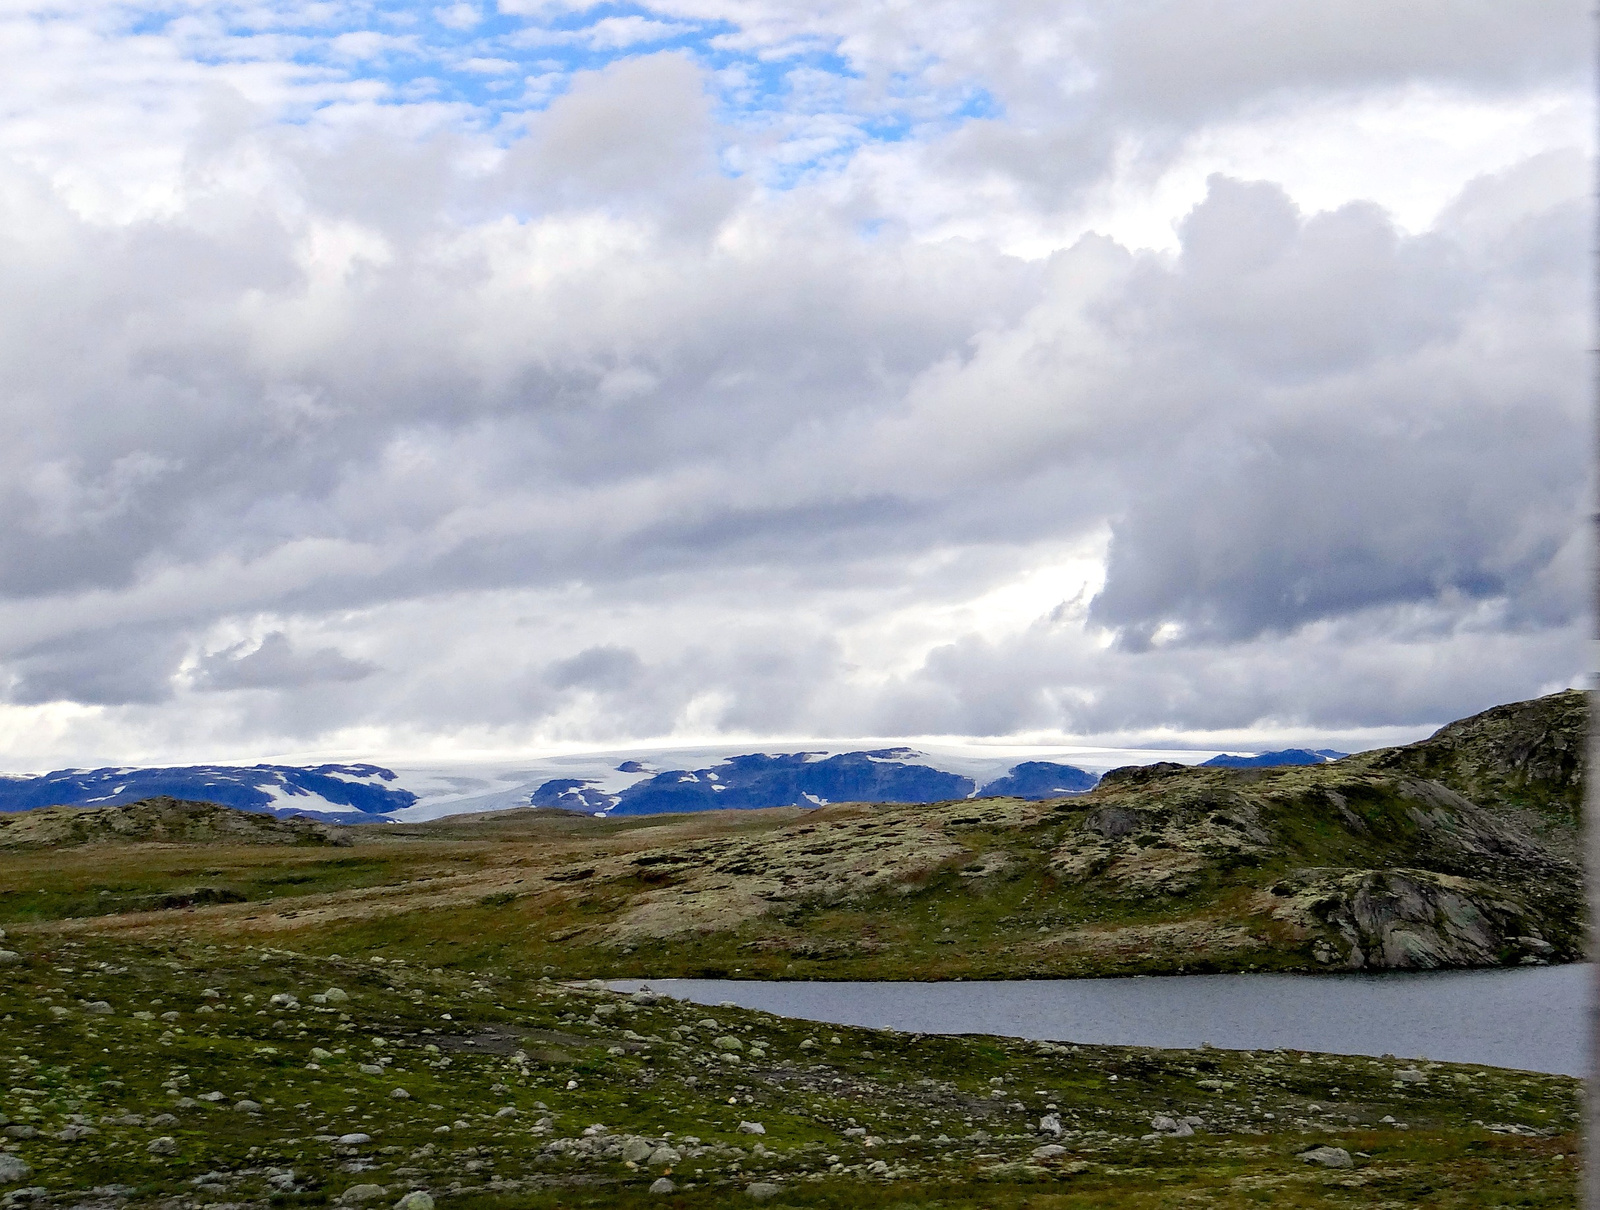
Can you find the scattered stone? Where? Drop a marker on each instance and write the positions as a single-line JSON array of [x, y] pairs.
[[752, 1128], [13, 1169], [508, 1111], [637, 1150], [7, 957], [664, 1155], [354, 1139], [415, 1200], [400, 1094], [1049, 1151], [728, 1042], [98, 1008], [662, 1185], [336, 995], [1411, 1076], [72, 1134], [247, 1106], [371, 1069], [20, 1131], [1050, 1124], [1328, 1157], [762, 1191], [357, 1194], [165, 1145], [1178, 1128]]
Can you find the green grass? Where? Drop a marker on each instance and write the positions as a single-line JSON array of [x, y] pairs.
[[925, 1098]]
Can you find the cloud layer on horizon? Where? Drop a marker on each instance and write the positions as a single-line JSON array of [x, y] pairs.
[[780, 369]]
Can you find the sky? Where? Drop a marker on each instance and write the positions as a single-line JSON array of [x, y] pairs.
[[511, 377]]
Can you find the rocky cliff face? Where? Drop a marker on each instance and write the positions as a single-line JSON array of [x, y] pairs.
[[1524, 760]]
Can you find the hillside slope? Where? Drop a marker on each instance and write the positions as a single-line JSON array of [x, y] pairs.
[[1524, 760], [159, 821], [1352, 865]]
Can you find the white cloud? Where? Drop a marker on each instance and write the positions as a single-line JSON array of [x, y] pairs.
[[1177, 395]]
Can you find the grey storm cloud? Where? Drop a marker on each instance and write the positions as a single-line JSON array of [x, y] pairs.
[[273, 663], [577, 432]]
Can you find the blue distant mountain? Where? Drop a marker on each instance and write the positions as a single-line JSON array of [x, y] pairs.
[[764, 780], [1287, 756], [328, 792], [1037, 779], [573, 794], [800, 779]]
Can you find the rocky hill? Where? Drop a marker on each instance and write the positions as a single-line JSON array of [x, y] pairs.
[[1525, 761], [1357, 864], [161, 821]]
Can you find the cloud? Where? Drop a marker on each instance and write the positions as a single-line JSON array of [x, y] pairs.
[[643, 413], [607, 668], [273, 663]]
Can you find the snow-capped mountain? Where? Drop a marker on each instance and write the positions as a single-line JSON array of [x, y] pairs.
[[321, 791], [620, 782]]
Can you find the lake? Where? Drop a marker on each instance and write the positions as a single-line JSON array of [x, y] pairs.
[[1532, 1018]]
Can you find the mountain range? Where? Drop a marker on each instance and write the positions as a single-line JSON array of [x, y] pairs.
[[364, 792]]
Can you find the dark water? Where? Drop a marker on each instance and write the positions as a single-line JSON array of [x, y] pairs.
[[1530, 1018]]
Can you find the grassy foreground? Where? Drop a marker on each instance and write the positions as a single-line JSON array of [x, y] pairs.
[[188, 1072]]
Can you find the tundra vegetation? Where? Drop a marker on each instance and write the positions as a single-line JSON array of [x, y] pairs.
[[203, 1010]]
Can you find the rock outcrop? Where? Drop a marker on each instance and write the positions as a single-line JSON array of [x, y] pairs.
[[158, 821]]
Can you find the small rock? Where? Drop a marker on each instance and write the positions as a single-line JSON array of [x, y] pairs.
[[400, 1094], [354, 1140], [1411, 1076], [752, 1128], [72, 1134], [664, 1155], [1049, 1151], [210, 993], [211, 1096], [335, 995], [357, 1194], [415, 1200], [662, 1185], [98, 1008], [508, 1111], [371, 1069], [7, 957], [20, 1131], [728, 1042], [1328, 1157], [247, 1106], [283, 1000], [762, 1191], [637, 1150], [1050, 1124], [165, 1145], [13, 1169]]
